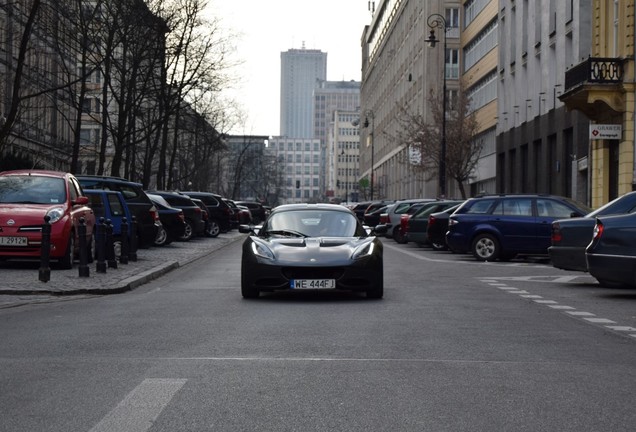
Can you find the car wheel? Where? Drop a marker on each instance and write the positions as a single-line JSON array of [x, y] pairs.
[[189, 231], [485, 247], [377, 290], [162, 237], [213, 229], [438, 246], [248, 292], [66, 262], [398, 235]]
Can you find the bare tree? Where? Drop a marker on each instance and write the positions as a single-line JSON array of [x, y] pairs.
[[422, 137]]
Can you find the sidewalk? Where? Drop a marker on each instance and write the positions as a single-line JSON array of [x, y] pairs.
[[22, 279]]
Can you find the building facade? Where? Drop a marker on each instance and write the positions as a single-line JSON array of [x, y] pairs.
[[301, 72], [542, 146], [398, 72], [343, 151], [602, 88]]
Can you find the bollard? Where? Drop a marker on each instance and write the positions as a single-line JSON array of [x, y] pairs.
[[110, 245], [83, 269], [132, 252], [45, 254], [123, 258], [101, 245]]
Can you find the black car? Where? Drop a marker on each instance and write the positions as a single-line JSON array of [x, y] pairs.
[[311, 246], [140, 205], [256, 209], [570, 237], [360, 208], [437, 227], [219, 212], [372, 218], [240, 215], [417, 224], [173, 224], [611, 255], [195, 225]]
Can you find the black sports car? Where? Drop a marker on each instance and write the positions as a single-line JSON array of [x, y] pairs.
[[311, 246]]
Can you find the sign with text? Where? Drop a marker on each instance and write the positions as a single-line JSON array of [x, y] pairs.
[[605, 131]]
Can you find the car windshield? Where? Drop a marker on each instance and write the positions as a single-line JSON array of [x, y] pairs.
[[313, 223], [32, 190]]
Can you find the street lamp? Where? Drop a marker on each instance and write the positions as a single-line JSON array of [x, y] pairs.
[[367, 114], [437, 21], [346, 164]]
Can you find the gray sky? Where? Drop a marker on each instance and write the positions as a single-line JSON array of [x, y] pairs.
[[267, 28]]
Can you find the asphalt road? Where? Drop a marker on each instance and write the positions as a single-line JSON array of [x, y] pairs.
[[455, 345]]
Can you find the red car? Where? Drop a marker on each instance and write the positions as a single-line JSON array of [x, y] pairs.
[[26, 197]]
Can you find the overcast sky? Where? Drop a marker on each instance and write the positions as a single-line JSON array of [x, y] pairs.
[[267, 28]]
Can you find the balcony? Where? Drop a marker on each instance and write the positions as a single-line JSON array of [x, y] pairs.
[[595, 87]]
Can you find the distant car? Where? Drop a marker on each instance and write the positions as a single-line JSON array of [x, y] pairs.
[[219, 212], [417, 224], [571, 236], [611, 255], [256, 209], [311, 246], [240, 214], [173, 223], [437, 227], [111, 206], [195, 225], [360, 208], [26, 197], [396, 211], [138, 202], [372, 218], [399, 232], [503, 226]]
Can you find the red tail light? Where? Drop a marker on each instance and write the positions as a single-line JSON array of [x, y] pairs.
[[598, 230], [431, 220], [556, 233], [384, 218], [181, 216], [154, 214]]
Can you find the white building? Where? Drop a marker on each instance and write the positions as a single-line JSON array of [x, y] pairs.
[[302, 173], [343, 151]]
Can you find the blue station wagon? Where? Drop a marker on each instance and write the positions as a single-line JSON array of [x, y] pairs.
[[504, 226]]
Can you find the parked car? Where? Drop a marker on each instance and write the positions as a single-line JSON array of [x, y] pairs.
[[360, 208], [26, 197], [111, 206], [373, 207], [173, 225], [501, 227], [256, 210], [219, 212], [399, 232], [311, 246], [570, 237], [437, 228], [372, 218], [138, 202], [417, 224], [209, 230], [395, 212], [611, 255], [195, 225], [241, 215]]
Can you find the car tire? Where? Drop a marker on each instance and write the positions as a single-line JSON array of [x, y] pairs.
[[485, 247], [247, 291], [66, 262], [189, 231], [162, 237], [213, 229], [398, 236], [377, 290]]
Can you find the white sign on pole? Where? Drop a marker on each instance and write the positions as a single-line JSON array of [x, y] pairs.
[[605, 131]]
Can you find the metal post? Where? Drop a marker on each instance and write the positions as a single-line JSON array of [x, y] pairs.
[[132, 253], [110, 245], [83, 269], [44, 273], [123, 258], [101, 246]]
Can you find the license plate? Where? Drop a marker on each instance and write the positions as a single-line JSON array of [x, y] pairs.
[[13, 241], [313, 283]]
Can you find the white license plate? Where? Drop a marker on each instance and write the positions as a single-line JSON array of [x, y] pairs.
[[13, 241], [313, 283]]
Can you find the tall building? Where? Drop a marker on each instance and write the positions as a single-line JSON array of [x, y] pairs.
[[301, 159], [542, 147], [399, 71], [602, 87], [343, 149], [301, 72]]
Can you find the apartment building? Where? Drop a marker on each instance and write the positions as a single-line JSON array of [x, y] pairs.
[[542, 147], [301, 160], [343, 150], [602, 87]]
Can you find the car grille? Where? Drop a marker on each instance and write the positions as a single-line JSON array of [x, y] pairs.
[[313, 272]]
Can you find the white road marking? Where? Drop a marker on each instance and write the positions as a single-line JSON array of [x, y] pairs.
[[622, 328], [578, 313], [548, 302], [534, 296], [600, 320], [561, 307], [519, 292], [142, 406]]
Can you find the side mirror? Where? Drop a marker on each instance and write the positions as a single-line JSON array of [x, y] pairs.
[[380, 229], [245, 229], [81, 200]]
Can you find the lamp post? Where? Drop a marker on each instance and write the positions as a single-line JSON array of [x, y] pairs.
[[437, 21], [367, 114], [346, 181]]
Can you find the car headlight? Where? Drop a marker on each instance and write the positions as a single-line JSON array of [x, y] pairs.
[[55, 214], [261, 250], [363, 250]]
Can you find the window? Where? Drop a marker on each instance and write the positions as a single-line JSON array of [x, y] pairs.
[[481, 206], [514, 207], [551, 208], [452, 18], [452, 63]]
